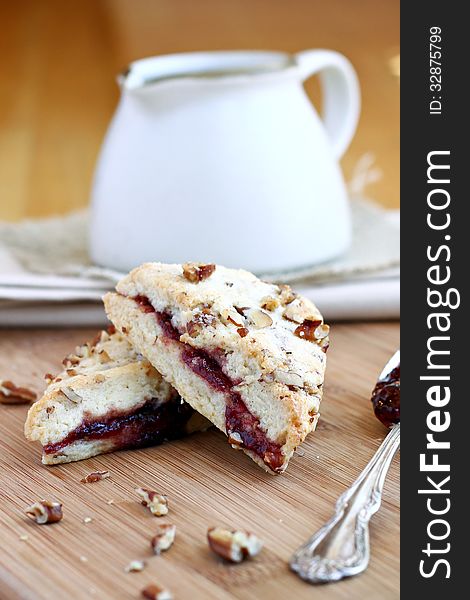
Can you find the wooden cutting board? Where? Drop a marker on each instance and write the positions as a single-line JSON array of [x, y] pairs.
[[207, 483]]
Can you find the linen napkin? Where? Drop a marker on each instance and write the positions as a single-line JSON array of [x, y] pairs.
[[48, 279]]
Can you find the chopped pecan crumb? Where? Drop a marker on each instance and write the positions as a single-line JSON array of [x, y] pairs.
[[289, 378], [97, 339], [45, 512], [49, 377], [307, 329], [103, 356], [314, 331], [71, 395], [269, 303], [135, 565], [71, 360], [196, 272], [258, 318], [233, 316], [201, 320], [11, 394], [235, 440], [124, 330], [95, 476], [155, 592], [242, 331], [164, 538], [234, 546], [71, 372], [157, 504], [286, 294], [298, 311]]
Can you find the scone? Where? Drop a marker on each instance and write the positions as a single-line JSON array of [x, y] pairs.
[[248, 355], [107, 398]]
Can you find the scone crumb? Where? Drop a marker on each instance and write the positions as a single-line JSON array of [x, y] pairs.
[[12, 394], [45, 512], [233, 546], [157, 504], [196, 272], [155, 592], [87, 520]]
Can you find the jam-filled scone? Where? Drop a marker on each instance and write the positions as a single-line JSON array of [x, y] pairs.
[[107, 398], [247, 355]]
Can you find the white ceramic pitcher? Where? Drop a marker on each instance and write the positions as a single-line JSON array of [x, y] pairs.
[[221, 157]]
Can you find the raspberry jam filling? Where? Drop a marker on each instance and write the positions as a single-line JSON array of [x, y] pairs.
[[238, 419], [150, 425]]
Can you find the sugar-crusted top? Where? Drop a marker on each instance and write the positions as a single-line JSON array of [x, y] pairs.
[[279, 333]]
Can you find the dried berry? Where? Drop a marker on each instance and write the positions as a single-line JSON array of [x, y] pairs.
[[386, 398]]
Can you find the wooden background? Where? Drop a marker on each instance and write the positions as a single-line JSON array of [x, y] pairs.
[[207, 484], [60, 58]]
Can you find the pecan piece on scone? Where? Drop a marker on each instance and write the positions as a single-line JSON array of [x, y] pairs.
[[12, 394], [164, 538], [45, 512], [156, 592], [196, 272], [233, 546], [314, 331], [157, 504]]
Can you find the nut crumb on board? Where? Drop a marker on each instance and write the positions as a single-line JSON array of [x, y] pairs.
[[233, 546], [95, 476], [134, 566], [45, 512], [12, 394], [156, 592], [164, 538], [157, 504]]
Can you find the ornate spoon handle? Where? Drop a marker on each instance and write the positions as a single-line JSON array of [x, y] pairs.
[[341, 547]]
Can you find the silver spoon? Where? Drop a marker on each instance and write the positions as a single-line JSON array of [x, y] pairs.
[[341, 547]]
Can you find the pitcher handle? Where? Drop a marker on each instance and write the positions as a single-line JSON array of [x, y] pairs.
[[340, 90]]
